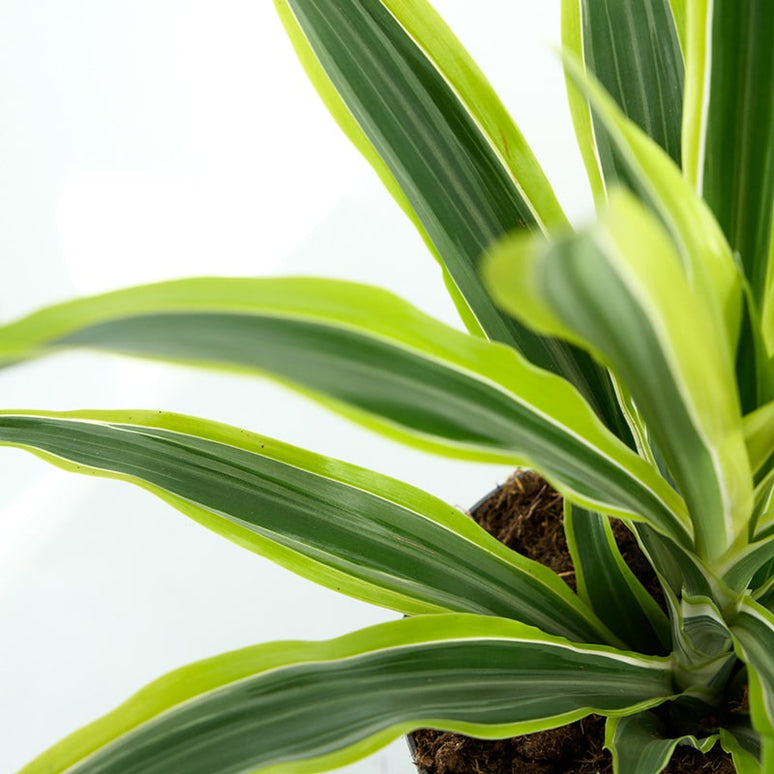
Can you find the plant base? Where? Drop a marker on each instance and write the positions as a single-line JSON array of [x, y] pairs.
[[526, 515]]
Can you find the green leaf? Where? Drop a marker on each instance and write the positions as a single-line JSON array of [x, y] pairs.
[[580, 112], [703, 660], [659, 182], [724, 111], [679, 14], [435, 47], [703, 626], [609, 586], [359, 349], [744, 746], [378, 360], [297, 707], [739, 570], [413, 100], [641, 744], [339, 111], [728, 131], [754, 372], [765, 317], [350, 529], [640, 66], [698, 52], [678, 568], [621, 290], [759, 438], [753, 630]]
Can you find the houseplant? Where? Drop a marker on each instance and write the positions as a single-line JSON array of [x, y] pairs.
[[597, 373]]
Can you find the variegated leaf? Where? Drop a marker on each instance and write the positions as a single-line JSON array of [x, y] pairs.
[[753, 630], [728, 124], [607, 583], [621, 290], [347, 528], [641, 67], [416, 105], [641, 744], [709, 263], [378, 360], [294, 707]]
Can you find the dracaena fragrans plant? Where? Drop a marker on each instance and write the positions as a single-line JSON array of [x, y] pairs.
[[629, 361]]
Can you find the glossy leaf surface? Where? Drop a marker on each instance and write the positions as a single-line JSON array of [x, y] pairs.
[[745, 748], [753, 631], [375, 358], [411, 97], [607, 583], [640, 66], [350, 529], [709, 262], [641, 744], [729, 123], [306, 707], [621, 289]]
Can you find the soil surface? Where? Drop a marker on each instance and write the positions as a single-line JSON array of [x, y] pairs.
[[526, 515]]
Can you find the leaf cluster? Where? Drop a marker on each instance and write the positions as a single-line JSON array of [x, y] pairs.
[[628, 361]]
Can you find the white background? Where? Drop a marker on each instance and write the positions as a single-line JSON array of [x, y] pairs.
[[162, 138]]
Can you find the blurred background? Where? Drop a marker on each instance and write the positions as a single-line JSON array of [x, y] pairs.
[[154, 139]]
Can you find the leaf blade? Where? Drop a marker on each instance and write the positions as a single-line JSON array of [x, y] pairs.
[[399, 70], [728, 124], [753, 632], [640, 743], [350, 529], [304, 707], [606, 582], [587, 289], [580, 112], [407, 375], [744, 748], [640, 66], [658, 181]]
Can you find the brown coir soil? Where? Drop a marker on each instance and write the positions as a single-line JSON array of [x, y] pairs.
[[526, 515]]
